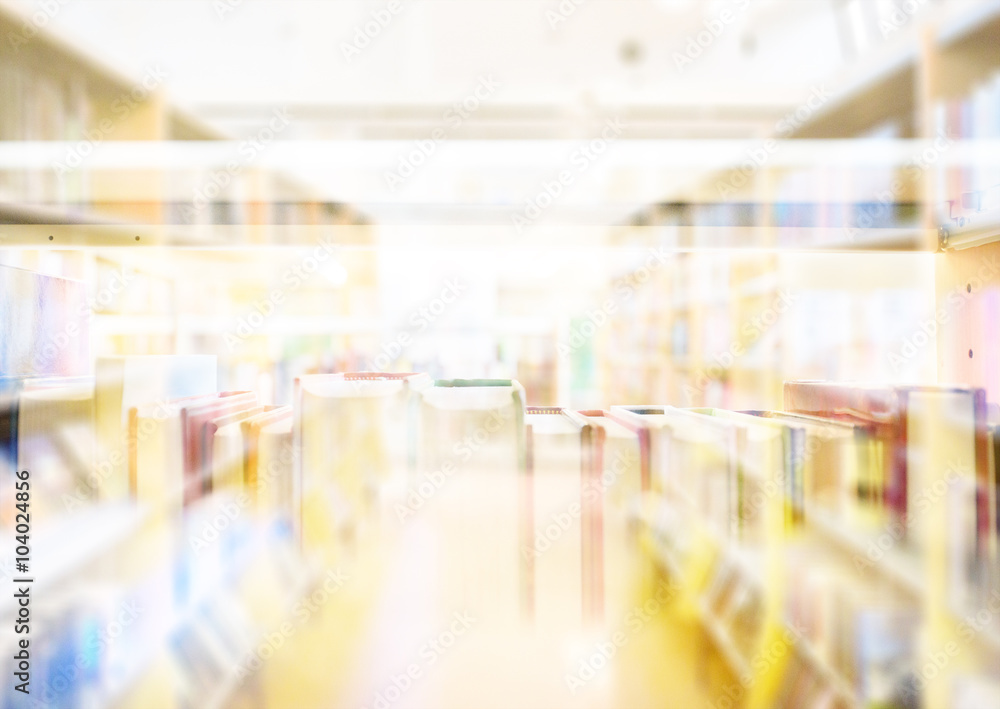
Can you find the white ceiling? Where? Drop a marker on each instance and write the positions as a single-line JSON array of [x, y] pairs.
[[261, 52]]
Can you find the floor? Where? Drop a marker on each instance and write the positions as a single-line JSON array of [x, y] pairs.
[[429, 616]]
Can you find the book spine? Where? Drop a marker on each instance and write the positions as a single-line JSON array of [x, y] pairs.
[[133, 453], [527, 515]]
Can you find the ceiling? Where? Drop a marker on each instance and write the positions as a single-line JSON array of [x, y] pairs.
[[549, 74]]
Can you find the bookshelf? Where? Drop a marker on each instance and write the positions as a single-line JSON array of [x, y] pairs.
[[898, 91], [920, 83], [55, 92], [115, 219], [801, 568], [937, 242], [707, 330]]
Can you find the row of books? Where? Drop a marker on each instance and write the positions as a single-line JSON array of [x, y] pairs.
[[174, 592], [52, 93], [823, 525], [827, 198], [841, 451], [968, 190], [38, 106], [45, 327], [844, 467], [150, 620], [148, 427]]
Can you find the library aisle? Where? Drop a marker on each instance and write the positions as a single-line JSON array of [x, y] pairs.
[[471, 658], [549, 354]]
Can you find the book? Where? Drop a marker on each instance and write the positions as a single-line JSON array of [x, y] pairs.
[[125, 382], [969, 190], [689, 459], [46, 325], [647, 423], [227, 449], [766, 467], [8, 454], [619, 460], [195, 425], [835, 460], [55, 442], [561, 521], [613, 451], [473, 420], [160, 455], [473, 443], [354, 434], [268, 477], [935, 443]]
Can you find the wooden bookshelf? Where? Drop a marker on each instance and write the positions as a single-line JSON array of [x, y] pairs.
[[944, 57], [55, 92]]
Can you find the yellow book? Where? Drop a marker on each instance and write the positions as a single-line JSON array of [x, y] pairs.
[[267, 468], [228, 450]]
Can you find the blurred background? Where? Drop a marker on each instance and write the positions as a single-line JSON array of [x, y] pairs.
[[546, 209]]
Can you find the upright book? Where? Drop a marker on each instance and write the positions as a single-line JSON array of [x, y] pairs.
[[124, 382]]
